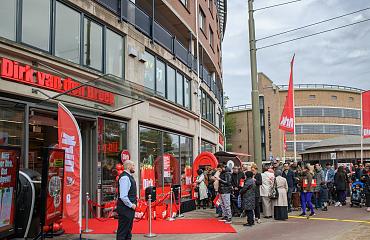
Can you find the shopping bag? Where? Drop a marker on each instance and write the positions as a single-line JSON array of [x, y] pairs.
[[217, 201]]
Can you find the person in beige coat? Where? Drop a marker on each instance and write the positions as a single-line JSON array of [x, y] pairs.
[[281, 203], [265, 189]]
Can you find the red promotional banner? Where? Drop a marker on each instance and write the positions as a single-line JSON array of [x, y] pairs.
[[69, 137], [287, 117], [55, 173], [9, 160], [366, 114]]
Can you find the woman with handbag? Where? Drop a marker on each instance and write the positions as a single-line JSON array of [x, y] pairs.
[[265, 191], [307, 190], [202, 189], [281, 203]]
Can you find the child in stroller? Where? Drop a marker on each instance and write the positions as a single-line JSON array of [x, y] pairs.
[[357, 195]]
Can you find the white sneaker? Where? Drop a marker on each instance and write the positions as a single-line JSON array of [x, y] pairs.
[[337, 204], [258, 220]]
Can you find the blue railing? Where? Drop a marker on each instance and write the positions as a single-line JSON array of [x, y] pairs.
[[129, 12]]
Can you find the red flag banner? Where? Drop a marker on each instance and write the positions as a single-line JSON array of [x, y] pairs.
[[69, 137], [366, 114], [287, 117]]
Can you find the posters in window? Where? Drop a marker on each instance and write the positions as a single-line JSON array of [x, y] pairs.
[[54, 176], [9, 161]]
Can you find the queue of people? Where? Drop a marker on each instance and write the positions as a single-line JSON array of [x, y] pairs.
[[277, 190]]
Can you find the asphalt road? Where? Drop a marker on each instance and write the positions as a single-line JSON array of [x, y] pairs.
[[339, 223]]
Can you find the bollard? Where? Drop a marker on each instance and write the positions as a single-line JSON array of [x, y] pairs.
[[180, 215], [150, 234], [87, 230], [171, 200]]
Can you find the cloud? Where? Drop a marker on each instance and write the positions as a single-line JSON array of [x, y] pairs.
[[339, 57]]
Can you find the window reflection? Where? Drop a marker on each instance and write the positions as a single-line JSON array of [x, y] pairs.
[[171, 84], [112, 138], [180, 89], [93, 44], [7, 19], [165, 159], [161, 78], [149, 71], [114, 49], [67, 33], [36, 26]]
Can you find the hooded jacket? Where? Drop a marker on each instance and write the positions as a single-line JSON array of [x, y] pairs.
[[225, 181]]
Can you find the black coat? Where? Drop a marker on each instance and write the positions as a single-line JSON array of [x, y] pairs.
[[340, 181], [248, 194], [225, 183], [258, 182], [289, 176]]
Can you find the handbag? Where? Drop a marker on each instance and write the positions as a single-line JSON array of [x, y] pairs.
[[274, 193]]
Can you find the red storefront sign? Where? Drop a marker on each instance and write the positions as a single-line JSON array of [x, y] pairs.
[[54, 186], [9, 160], [69, 137], [12, 70]]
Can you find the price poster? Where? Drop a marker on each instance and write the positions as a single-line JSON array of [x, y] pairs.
[[9, 163], [53, 179]]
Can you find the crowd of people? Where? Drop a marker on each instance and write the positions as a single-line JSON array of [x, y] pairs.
[[278, 189]]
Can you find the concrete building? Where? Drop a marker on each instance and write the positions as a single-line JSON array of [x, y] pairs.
[[143, 63], [322, 111], [343, 149]]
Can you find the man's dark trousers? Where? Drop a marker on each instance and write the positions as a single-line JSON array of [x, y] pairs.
[[125, 223]]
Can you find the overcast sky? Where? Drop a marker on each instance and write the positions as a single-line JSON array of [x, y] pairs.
[[340, 57]]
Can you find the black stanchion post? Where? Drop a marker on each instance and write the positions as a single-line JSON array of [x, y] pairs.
[[179, 198]]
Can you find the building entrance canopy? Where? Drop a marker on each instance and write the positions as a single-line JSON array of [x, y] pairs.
[[106, 94]]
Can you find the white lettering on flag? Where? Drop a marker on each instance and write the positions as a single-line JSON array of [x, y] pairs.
[[366, 132], [69, 157], [287, 122]]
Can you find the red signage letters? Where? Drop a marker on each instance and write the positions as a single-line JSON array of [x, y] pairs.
[[11, 70]]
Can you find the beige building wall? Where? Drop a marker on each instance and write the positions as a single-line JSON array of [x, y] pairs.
[[306, 96]]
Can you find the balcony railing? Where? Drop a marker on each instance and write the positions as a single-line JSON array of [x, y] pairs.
[[129, 12], [321, 86], [239, 108]]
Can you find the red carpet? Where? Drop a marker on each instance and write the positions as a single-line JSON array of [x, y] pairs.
[[180, 226]]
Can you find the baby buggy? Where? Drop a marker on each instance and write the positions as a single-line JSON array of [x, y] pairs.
[[357, 195]]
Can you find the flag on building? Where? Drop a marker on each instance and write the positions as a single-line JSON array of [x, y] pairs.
[[366, 114], [287, 117]]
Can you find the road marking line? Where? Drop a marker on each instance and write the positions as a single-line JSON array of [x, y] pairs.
[[331, 219]]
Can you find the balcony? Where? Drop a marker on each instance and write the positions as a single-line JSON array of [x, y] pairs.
[[141, 19]]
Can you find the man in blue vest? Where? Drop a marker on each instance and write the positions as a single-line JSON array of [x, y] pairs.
[[126, 203]]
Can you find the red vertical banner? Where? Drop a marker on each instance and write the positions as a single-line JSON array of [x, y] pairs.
[[69, 137], [287, 117], [366, 114]]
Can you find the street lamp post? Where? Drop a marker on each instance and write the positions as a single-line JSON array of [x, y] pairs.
[[255, 94]]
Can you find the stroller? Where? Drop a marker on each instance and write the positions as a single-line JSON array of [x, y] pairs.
[[357, 194]]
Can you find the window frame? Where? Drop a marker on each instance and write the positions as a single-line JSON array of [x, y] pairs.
[[211, 37], [103, 63], [202, 20]]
